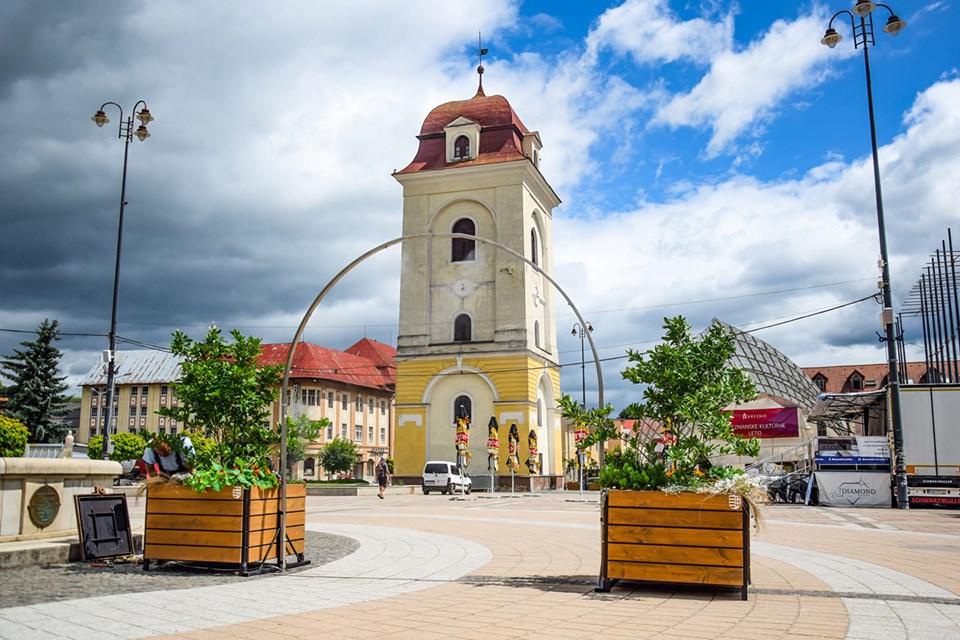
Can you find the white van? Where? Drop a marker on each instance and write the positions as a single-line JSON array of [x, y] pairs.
[[444, 477]]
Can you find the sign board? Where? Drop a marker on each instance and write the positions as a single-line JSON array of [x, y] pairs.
[[103, 524], [781, 422], [850, 460], [853, 488], [873, 447]]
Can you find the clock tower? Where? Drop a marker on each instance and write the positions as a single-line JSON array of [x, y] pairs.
[[477, 331]]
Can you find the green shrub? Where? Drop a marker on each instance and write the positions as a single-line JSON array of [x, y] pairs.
[[126, 446], [95, 448], [13, 438]]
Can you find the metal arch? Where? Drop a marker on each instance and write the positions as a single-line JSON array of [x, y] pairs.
[[323, 294]]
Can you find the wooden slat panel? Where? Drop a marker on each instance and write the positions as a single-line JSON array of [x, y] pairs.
[[294, 519], [269, 551], [184, 492], [196, 523], [720, 576], [668, 535], [675, 555], [661, 500], [259, 507], [216, 538], [197, 507], [191, 554], [677, 518]]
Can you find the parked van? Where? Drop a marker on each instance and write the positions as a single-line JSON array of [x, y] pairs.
[[443, 477]]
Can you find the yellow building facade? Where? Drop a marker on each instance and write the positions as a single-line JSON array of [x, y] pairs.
[[477, 330]]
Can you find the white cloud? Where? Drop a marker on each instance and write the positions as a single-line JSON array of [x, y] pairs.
[[650, 32], [742, 88], [744, 235]]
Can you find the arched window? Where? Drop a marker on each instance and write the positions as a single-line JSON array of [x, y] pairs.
[[308, 467], [461, 148], [462, 330], [533, 247], [461, 248], [821, 381], [462, 406], [536, 333]]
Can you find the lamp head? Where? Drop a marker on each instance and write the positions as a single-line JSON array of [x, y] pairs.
[[863, 8], [831, 38], [894, 25], [142, 133], [573, 331], [144, 116], [589, 327], [100, 118]]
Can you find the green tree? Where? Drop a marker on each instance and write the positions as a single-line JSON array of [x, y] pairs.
[[225, 395], [301, 432], [339, 456], [690, 382], [36, 395], [95, 447], [13, 437], [632, 411]]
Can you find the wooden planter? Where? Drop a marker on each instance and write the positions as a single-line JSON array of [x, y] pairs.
[[235, 527], [685, 538]]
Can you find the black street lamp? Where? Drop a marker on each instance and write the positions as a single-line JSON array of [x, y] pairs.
[[125, 132], [582, 331], [861, 23]]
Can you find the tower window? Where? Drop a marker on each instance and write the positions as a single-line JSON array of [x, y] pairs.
[[462, 330], [462, 406], [533, 247], [536, 333], [821, 381], [461, 248], [461, 148]]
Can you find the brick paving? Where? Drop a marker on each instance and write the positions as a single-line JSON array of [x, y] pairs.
[[525, 569]]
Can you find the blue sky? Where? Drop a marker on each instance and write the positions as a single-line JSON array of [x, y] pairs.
[[713, 160]]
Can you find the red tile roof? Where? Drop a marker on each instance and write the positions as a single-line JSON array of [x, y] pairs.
[[369, 365], [501, 133], [837, 376]]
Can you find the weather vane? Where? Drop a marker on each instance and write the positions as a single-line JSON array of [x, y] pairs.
[[480, 53]]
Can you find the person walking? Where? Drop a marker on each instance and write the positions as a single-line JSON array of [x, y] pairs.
[[383, 475]]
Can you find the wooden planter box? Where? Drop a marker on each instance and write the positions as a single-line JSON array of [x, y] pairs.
[[685, 538], [235, 527]]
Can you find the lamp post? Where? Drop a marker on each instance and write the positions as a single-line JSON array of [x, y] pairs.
[[582, 331], [861, 24], [125, 132]]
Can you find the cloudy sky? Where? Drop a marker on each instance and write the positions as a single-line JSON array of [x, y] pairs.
[[712, 156]]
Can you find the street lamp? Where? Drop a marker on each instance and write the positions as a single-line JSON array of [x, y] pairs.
[[861, 23], [125, 132], [582, 331]]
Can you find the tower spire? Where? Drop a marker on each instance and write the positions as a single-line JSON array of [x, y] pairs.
[[480, 53]]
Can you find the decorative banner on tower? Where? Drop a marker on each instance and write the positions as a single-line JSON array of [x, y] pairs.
[[493, 445], [533, 461], [513, 449], [579, 435], [766, 423]]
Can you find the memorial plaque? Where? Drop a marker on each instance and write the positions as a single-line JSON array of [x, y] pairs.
[[103, 524], [44, 506]]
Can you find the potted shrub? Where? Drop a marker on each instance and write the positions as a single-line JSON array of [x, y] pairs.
[[228, 509], [669, 512]]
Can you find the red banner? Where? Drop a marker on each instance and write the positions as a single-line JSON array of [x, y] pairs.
[[766, 423]]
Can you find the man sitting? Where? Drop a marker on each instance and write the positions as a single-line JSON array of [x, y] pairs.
[[163, 459]]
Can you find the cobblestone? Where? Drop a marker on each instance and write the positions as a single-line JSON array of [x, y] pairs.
[[32, 585]]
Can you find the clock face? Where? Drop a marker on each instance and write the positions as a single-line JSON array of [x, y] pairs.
[[463, 287]]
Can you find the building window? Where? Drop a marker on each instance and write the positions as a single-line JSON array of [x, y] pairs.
[[383, 435], [343, 431], [145, 391], [856, 383], [461, 148], [370, 434], [462, 249], [173, 431], [359, 403], [536, 333], [462, 406], [133, 392], [308, 467], [330, 400], [370, 405], [344, 402], [162, 430], [821, 381], [329, 432], [164, 389], [383, 407], [143, 411], [312, 397], [533, 247], [358, 433], [462, 329]]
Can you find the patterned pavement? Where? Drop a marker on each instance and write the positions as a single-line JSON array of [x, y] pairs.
[[492, 568]]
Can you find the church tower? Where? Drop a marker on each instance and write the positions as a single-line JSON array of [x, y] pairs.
[[477, 330]]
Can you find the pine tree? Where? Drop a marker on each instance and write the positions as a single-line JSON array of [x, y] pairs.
[[36, 395]]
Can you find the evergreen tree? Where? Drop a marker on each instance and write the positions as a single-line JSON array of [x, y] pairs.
[[36, 395]]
